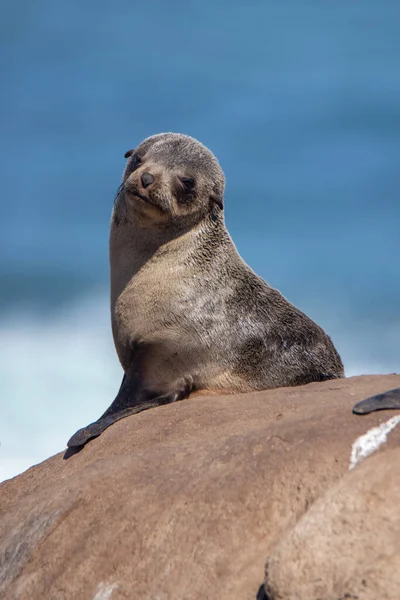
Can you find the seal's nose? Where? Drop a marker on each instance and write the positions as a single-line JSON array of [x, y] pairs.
[[147, 179]]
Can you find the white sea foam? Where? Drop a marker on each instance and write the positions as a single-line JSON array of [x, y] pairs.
[[56, 375], [59, 373]]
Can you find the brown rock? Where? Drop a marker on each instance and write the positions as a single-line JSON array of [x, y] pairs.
[[184, 501], [348, 544]]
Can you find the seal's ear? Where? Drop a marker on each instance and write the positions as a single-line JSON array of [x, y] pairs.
[[218, 200], [129, 153], [217, 195]]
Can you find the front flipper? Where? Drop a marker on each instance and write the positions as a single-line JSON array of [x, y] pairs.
[[125, 404], [384, 401]]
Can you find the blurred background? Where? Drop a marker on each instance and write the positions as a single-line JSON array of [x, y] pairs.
[[300, 101]]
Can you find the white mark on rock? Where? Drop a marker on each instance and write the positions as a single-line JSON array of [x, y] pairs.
[[369, 443], [104, 591]]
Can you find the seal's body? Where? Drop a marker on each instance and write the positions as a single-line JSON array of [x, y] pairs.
[[188, 314]]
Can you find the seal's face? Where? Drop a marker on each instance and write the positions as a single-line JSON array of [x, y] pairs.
[[171, 178]]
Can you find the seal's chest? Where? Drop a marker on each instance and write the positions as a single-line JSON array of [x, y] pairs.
[[144, 303]]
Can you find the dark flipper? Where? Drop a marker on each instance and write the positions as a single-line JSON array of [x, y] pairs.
[[125, 404], [82, 436], [386, 400]]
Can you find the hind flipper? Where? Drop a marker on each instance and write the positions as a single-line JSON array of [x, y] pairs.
[[386, 400]]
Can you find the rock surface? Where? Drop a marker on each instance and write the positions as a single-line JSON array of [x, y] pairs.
[[348, 544], [186, 501]]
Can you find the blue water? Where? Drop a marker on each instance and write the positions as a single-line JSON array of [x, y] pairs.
[[300, 101]]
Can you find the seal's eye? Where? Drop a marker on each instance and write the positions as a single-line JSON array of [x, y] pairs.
[[188, 182], [136, 161]]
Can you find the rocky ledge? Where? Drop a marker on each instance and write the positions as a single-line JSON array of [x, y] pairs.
[[197, 500]]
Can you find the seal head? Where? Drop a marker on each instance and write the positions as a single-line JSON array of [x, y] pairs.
[[171, 180]]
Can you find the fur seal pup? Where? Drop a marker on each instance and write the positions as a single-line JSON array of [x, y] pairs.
[[385, 401], [188, 314]]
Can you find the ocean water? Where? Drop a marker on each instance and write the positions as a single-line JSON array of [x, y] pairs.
[[300, 101]]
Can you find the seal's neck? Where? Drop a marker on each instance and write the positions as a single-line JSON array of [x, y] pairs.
[[133, 246]]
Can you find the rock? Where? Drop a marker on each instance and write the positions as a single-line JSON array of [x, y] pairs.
[[184, 501], [348, 544]]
